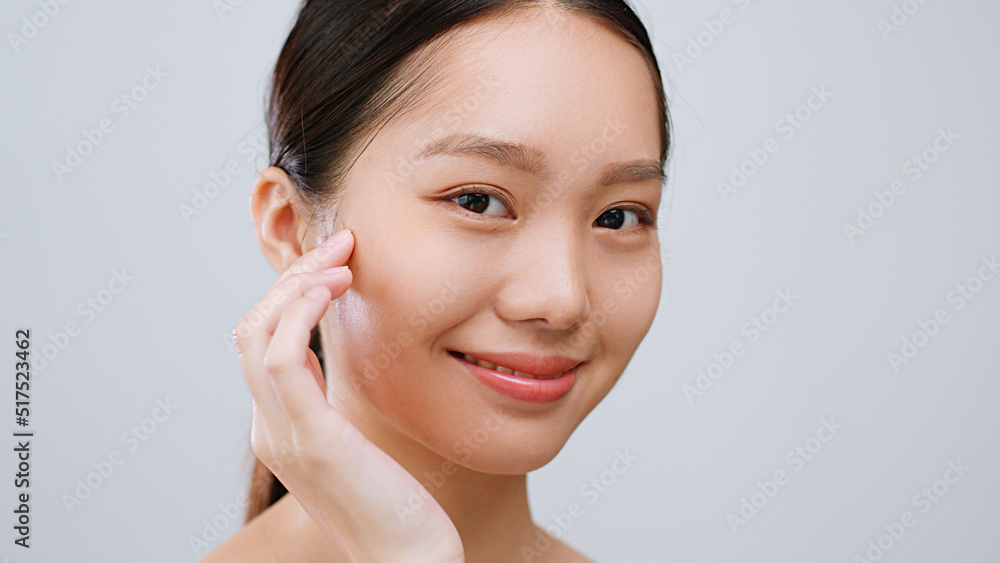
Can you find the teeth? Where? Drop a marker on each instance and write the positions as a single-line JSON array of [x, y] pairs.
[[506, 370]]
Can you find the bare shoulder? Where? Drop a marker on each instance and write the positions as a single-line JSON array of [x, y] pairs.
[[275, 535], [253, 543]]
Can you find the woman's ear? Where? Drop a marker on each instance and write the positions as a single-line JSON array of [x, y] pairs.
[[276, 220]]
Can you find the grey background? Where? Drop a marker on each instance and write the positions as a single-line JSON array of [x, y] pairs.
[[165, 336]]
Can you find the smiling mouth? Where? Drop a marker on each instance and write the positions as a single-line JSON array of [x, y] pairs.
[[504, 369]]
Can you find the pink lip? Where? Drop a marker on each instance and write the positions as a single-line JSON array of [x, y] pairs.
[[523, 388], [540, 366]]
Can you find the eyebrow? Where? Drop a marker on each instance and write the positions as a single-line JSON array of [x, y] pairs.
[[521, 156]]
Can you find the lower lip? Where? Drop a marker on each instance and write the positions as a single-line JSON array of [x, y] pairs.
[[523, 388]]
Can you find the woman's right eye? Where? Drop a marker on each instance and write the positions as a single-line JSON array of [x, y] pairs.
[[479, 202]]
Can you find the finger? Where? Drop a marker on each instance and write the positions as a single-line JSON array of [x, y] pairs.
[[287, 361], [262, 438], [261, 391], [253, 332], [298, 278], [333, 252]]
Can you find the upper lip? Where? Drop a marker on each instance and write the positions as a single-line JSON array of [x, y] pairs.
[[542, 366]]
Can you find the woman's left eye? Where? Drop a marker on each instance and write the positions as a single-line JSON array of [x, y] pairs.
[[625, 218]]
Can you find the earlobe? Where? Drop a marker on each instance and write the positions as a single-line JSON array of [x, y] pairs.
[[275, 217]]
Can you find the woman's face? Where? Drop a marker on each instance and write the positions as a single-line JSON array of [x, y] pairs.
[[554, 258]]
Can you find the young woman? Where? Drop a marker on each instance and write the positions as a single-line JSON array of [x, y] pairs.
[[491, 173]]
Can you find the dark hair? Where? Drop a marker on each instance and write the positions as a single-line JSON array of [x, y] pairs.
[[347, 68]]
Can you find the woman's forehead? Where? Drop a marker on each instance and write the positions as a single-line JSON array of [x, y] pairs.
[[526, 64]]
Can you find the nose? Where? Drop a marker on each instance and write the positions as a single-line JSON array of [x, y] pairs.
[[546, 282]]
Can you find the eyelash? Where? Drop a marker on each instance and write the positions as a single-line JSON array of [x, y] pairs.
[[646, 219]]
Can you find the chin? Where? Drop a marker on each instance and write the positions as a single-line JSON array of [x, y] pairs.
[[506, 444], [514, 460]]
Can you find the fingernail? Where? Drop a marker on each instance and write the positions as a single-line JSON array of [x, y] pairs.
[[335, 270], [338, 238]]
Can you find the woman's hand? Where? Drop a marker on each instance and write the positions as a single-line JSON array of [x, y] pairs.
[[343, 481]]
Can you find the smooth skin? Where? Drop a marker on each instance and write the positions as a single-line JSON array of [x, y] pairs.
[[427, 274]]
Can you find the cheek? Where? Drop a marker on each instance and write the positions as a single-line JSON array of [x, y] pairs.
[[625, 312], [404, 296], [389, 332]]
